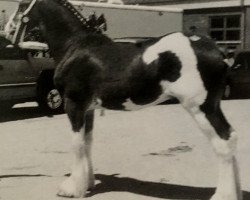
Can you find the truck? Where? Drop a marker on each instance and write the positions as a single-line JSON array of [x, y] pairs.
[[27, 69]]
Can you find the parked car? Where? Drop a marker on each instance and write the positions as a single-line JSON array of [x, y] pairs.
[[26, 67], [26, 74], [238, 80]]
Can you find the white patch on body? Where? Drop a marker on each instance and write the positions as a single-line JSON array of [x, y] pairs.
[[190, 84], [189, 87]]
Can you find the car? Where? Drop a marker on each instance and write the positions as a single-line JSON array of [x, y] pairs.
[[26, 66], [26, 74], [238, 78]]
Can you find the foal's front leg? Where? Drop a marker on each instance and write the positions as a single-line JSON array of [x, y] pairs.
[[82, 177]]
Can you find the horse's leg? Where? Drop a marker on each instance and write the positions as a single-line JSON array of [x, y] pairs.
[[223, 138], [89, 122], [81, 177]]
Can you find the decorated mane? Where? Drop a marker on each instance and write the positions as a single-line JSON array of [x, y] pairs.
[[92, 24], [73, 10]]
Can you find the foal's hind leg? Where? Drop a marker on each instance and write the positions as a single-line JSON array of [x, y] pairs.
[[82, 176], [223, 138]]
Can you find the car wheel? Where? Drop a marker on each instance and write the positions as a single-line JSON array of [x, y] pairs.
[[227, 91], [50, 99]]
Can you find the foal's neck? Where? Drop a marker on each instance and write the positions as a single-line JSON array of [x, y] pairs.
[[59, 26]]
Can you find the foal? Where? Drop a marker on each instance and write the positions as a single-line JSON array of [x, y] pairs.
[[93, 71]]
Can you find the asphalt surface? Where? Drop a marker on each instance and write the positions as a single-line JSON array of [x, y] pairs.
[[155, 153]]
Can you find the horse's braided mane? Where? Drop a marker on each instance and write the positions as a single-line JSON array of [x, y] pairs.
[[98, 25], [74, 11]]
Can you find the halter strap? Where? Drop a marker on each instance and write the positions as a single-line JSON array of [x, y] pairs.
[[29, 8]]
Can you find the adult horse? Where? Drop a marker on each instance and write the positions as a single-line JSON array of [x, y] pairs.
[[93, 71]]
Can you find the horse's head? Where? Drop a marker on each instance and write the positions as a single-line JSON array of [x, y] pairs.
[[55, 15], [60, 23], [61, 15]]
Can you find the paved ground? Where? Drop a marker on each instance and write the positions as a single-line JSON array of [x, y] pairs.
[[156, 153]]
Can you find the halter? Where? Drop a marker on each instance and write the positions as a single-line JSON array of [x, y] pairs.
[[26, 12]]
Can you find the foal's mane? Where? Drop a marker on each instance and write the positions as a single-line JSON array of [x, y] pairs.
[[75, 13], [73, 10]]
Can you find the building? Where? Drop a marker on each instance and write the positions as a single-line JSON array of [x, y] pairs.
[[226, 21]]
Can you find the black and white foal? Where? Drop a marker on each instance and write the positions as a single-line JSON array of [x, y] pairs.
[[93, 71]]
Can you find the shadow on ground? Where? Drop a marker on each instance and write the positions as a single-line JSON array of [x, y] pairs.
[[22, 113], [112, 183], [22, 175]]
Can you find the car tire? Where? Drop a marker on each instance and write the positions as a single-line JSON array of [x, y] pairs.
[[50, 99]]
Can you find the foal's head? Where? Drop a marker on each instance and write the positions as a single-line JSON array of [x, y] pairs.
[[62, 17], [59, 22], [55, 16]]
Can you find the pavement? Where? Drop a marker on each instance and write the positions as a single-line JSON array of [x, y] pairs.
[[155, 153]]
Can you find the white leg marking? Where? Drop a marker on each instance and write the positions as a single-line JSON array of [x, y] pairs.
[[228, 187], [91, 178], [170, 43], [82, 173], [228, 180]]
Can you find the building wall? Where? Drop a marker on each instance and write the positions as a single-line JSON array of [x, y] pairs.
[[197, 13], [247, 28], [200, 18]]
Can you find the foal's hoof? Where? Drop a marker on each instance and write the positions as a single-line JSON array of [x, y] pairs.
[[70, 188]]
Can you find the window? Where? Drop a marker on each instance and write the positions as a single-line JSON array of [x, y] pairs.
[[225, 28]]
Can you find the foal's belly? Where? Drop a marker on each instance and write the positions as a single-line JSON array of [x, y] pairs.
[[131, 93], [127, 104], [130, 103]]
